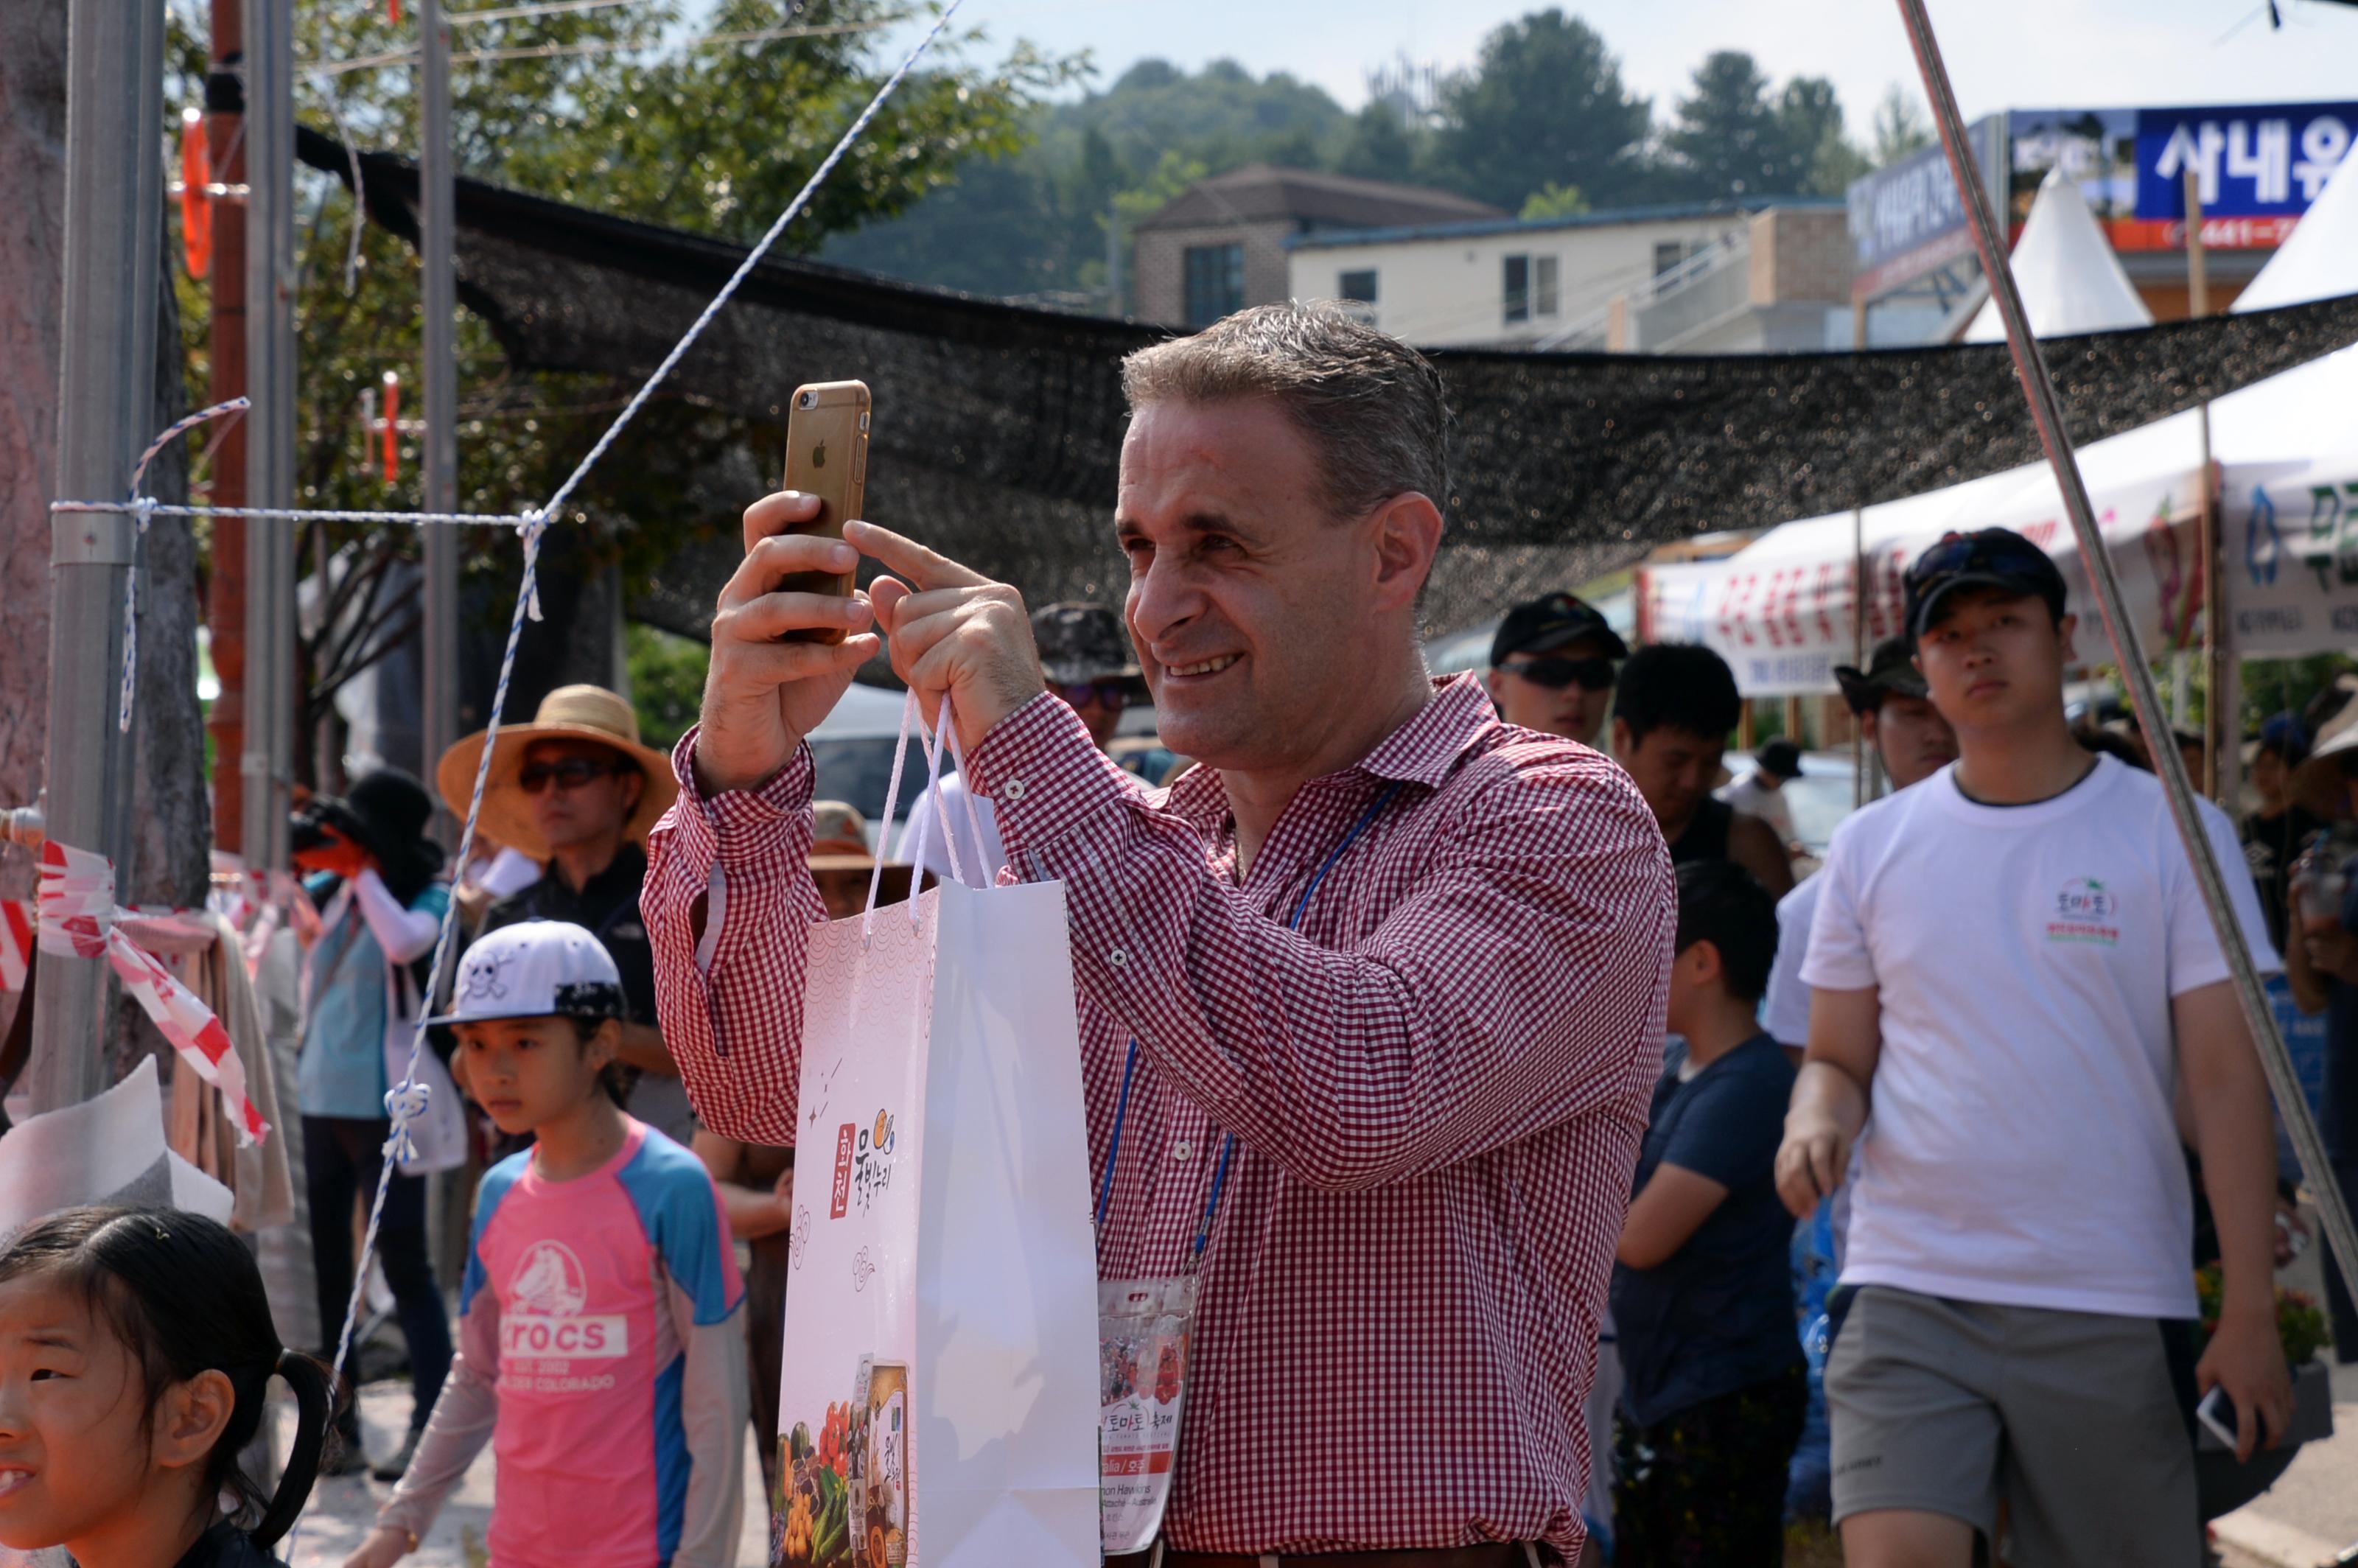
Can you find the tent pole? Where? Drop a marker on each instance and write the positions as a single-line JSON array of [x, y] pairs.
[[2047, 414], [1857, 643], [439, 625], [2219, 718]]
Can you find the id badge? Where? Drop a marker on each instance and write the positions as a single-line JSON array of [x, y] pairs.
[[1144, 1329]]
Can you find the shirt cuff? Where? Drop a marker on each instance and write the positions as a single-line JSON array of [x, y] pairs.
[[1043, 775], [741, 828]]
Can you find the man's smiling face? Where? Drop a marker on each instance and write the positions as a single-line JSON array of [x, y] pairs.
[[1246, 597]]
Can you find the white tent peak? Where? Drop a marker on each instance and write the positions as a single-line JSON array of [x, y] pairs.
[[2070, 280], [2321, 260]]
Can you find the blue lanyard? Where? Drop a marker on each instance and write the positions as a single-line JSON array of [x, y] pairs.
[[1227, 1141]]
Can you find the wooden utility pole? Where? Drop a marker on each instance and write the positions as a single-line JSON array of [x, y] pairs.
[[226, 599]]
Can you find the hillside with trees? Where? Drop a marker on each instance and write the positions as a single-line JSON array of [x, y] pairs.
[[1541, 124]]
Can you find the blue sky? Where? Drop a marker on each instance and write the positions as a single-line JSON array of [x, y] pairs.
[[2002, 53]]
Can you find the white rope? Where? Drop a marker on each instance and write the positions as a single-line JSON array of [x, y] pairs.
[[753, 257], [303, 514]]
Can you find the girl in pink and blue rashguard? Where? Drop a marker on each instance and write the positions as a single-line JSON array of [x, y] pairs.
[[600, 1348]]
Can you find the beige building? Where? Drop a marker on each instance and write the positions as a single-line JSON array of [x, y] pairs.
[[1721, 277], [1220, 246]]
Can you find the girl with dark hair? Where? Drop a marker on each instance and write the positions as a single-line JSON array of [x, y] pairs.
[[376, 878], [135, 1347]]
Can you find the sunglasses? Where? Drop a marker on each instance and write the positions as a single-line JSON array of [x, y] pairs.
[[1589, 675], [569, 774], [1104, 693]]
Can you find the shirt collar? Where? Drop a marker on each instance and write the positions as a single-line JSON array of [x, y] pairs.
[[1424, 750]]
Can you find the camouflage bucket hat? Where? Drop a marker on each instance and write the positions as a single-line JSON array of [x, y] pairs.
[[1081, 642]]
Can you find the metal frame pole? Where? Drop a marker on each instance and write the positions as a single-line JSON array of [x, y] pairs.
[[2047, 414], [264, 762], [439, 623], [105, 402]]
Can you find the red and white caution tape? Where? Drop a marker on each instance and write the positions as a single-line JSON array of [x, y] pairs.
[[79, 919], [15, 943]]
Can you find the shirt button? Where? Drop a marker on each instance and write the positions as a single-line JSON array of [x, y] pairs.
[[1119, 958], [1012, 789], [1183, 1150]]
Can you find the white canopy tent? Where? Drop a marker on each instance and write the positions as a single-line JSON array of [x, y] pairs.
[[2070, 280], [1780, 612]]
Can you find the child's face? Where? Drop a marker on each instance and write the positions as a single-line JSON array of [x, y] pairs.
[[527, 1071], [78, 1448], [1694, 982]]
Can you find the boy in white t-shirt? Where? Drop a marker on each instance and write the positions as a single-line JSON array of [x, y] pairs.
[[2014, 964]]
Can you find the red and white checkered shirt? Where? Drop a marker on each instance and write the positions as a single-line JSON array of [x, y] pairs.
[[1437, 1089]]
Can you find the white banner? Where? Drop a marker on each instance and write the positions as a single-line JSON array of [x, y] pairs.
[[1780, 612]]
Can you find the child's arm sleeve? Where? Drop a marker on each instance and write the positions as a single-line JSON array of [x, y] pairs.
[[460, 1425], [714, 1409], [707, 1302]]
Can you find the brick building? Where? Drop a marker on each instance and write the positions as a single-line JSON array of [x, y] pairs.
[[1220, 244]]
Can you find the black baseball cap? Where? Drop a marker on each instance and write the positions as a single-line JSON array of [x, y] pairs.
[[1545, 624], [1779, 759], [1891, 672], [1987, 557]]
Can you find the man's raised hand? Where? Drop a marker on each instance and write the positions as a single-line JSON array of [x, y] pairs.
[[954, 632], [762, 695]]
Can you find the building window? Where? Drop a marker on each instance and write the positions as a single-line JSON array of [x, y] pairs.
[[1519, 289], [1544, 301], [1216, 283], [1668, 254], [1358, 286]]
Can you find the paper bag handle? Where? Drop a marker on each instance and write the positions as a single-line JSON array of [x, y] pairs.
[[932, 743]]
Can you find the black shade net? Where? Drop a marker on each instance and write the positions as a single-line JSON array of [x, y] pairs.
[[998, 428]]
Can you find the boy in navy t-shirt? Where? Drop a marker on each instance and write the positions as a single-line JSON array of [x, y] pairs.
[[1715, 1390]]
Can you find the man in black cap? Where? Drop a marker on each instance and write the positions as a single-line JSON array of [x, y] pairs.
[[1551, 668], [1086, 654], [1761, 792], [2012, 965]]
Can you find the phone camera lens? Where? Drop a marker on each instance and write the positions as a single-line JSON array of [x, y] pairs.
[[808, 400]]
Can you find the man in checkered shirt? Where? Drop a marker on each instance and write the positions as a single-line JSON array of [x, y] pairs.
[[1410, 958]]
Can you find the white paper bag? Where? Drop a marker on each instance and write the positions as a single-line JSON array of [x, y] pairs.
[[939, 1386]]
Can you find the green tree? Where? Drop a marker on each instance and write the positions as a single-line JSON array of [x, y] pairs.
[[1809, 118], [625, 109], [1382, 147], [1728, 141], [1553, 201], [1900, 128], [1035, 221], [1544, 105]]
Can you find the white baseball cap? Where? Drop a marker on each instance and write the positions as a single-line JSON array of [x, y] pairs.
[[536, 968]]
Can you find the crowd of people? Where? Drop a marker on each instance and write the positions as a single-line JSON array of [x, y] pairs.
[[1520, 1049]]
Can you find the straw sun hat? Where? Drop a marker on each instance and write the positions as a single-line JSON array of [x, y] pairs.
[[569, 713]]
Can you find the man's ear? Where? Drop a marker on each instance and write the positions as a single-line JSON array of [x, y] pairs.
[[634, 789], [2064, 628], [1408, 536], [191, 1418], [1620, 736]]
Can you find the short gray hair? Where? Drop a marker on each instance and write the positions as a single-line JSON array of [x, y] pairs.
[[1372, 407]]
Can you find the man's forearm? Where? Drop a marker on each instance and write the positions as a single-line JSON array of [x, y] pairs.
[[2237, 1143], [728, 901], [1826, 1095]]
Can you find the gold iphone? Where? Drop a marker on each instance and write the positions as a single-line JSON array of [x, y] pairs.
[[826, 456]]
